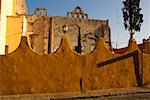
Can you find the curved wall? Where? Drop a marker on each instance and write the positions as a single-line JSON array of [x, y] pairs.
[[24, 71]]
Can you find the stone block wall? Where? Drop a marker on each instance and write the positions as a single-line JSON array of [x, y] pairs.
[[89, 30], [38, 33]]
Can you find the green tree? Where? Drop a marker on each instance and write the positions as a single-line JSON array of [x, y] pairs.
[[132, 16]]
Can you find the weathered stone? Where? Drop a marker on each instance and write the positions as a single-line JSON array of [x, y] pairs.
[[86, 31]]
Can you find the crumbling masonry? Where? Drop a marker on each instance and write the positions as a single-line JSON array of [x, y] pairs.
[[46, 32]]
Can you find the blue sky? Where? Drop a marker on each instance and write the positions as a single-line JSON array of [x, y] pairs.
[[99, 9]]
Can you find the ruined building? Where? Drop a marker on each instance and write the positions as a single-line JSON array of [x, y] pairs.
[[22, 71], [146, 45], [45, 32]]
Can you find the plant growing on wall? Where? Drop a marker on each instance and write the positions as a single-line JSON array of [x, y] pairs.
[[132, 16]]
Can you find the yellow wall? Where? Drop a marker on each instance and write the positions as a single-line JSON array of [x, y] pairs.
[[8, 27], [146, 70], [25, 72], [6, 10], [15, 24], [14, 32]]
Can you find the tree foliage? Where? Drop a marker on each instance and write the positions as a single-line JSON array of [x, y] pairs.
[[131, 14]]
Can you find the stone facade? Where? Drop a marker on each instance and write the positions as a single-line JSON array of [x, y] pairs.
[[46, 32], [146, 43], [77, 13]]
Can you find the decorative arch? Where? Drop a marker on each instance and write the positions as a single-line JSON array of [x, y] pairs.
[[77, 13]]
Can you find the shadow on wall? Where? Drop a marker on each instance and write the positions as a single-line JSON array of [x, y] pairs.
[[89, 40], [25, 72]]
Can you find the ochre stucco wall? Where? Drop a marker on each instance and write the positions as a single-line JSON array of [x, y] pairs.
[[146, 70], [14, 32], [24, 71]]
